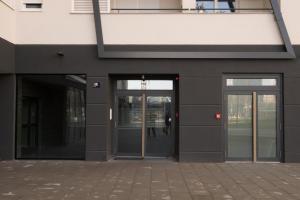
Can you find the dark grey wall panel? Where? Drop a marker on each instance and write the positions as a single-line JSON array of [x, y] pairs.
[[291, 90], [291, 115], [7, 57], [44, 59], [201, 139], [95, 155], [292, 157], [97, 114], [7, 116], [96, 132], [97, 95], [82, 59], [201, 157], [96, 138], [292, 139], [201, 90], [291, 118], [197, 115]]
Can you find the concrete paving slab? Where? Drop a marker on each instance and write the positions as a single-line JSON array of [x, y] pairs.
[[147, 180]]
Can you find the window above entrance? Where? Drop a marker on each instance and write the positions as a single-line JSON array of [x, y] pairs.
[[145, 85], [251, 82]]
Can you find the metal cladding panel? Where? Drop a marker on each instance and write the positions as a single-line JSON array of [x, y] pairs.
[[201, 157], [195, 90], [291, 115], [200, 94], [291, 90], [96, 138], [97, 114], [97, 94], [7, 116], [7, 57], [199, 115], [201, 139]]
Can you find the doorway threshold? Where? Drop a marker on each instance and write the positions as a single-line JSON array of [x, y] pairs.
[[127, 158], [251, 162], [146, 158]]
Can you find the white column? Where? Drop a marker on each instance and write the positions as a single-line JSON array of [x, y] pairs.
[[188, 4], [216, 5]]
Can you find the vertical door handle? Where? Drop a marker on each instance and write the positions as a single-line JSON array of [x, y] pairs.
[[254, 126]]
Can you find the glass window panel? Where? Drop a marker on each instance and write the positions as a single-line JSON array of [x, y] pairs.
[[25, 113], [51, 109], [129, 111], [226, 6], [251, 82], [267, 126], [205, 6], [129, 125], [158, 126], [240, 126], [145, 85]]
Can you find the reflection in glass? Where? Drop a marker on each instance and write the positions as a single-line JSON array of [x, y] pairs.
[[206, 6], [240, 126], [129, 111], [266, 111], [210, 6], [145, 85], [251, 82], [51, 116], [158, 126], [129, 126]]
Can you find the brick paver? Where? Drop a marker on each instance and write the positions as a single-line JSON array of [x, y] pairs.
[[147, 180]]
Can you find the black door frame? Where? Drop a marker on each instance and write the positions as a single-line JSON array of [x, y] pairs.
[[248, 90], [124, 92]]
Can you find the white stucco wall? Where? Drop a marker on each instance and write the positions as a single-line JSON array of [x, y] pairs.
[[56, 24], [7, 22]]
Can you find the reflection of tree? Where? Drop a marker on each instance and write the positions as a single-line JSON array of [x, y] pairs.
[[239, 109]]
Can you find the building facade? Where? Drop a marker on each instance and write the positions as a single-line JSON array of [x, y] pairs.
[[194, 80]]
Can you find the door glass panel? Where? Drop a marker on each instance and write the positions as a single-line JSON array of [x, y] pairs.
[[266, 126], [251, 82], [158, 126], [240, 127], [145, 85], [129, 126], [130, 111]]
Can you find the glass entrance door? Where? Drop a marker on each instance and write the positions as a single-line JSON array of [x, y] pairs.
[[129, 125], [267, 127], [239, 126], [158, 126], [252, 126], [144, 124]]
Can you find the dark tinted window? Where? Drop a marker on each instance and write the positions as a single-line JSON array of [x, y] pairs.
[[51, 117]]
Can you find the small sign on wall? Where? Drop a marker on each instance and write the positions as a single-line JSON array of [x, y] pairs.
[[96, 85], [110, 113], [218, 116]]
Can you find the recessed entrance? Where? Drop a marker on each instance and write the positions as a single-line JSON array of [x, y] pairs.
[[144, 123], [252, 121]]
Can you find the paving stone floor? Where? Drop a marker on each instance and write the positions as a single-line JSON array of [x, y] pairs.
[[148, 179]]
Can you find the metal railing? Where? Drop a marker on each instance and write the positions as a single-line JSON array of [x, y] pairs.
[[190, 10]]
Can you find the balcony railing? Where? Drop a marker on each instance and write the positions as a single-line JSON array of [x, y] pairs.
[[191, 10], [190, 6]]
